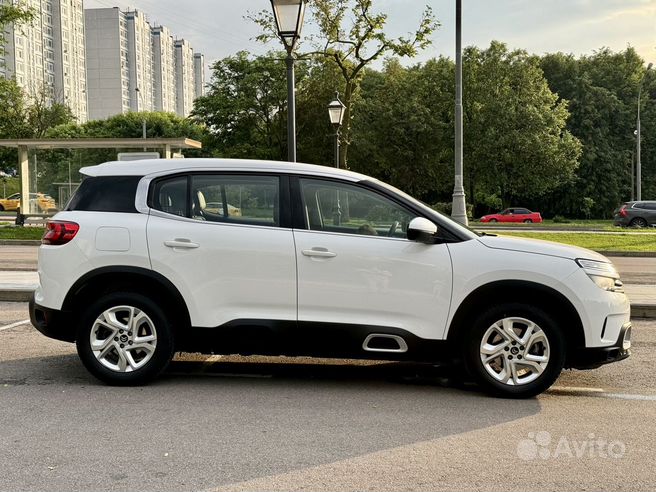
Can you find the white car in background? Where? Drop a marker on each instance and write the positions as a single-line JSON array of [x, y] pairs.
[[323, 262]]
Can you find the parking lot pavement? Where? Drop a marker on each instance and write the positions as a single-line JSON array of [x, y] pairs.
[[246, 423]]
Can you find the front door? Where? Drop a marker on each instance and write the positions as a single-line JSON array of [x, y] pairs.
[[356, 266]]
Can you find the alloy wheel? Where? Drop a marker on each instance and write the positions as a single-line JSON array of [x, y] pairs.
[[123, 338], [514, 351]]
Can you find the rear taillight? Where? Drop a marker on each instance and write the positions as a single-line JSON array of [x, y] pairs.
[[59, 232], [623, 211]]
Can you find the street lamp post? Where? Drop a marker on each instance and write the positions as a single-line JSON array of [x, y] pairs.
[[458, 207], [336, 114], [289, 15], [143, 119], [638, 161]]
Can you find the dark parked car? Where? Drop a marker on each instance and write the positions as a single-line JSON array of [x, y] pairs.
[[636, 214]]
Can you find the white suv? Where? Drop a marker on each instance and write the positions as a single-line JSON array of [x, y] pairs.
[[251, 257]]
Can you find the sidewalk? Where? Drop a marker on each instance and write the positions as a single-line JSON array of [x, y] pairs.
[[17, 286]]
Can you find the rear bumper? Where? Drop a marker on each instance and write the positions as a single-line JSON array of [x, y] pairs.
[[591, 358], [52, 323]]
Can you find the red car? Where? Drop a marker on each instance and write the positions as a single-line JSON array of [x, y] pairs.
[[514, 215]]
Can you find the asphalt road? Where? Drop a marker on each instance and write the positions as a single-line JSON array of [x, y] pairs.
[[299, 424]]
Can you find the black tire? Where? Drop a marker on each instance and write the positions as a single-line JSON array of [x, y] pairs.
[[2, 209], [158, 361], [639, 222], [528, 221], [472, 350], [494, 220]]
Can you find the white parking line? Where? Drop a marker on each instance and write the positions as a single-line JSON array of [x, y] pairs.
[[14, 325]]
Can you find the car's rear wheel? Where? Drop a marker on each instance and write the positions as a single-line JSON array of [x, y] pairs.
[[638, 222], [2, 209], [124, 338], [514, 350], [528, 221]]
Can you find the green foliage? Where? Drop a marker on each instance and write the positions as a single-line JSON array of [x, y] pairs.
[[351, 35], [516, 142], [13, 13], [559, 219], [245, 108], [602, 93], [23, 116]]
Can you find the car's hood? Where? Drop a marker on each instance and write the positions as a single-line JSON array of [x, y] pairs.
[[540, 247]]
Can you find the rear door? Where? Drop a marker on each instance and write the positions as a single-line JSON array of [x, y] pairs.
[[356, 265], [224, 239]]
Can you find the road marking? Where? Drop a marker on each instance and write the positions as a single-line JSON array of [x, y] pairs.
[[14, 325], [601, 393]]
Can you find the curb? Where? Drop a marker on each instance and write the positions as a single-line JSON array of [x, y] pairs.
[[16, 295], [20, 242], [647, 311]]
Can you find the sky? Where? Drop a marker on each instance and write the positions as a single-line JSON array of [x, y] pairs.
[[217, 28]]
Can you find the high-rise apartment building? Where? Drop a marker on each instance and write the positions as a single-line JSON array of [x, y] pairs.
[[140, 61], [184, 77], [108, 85], [163, 70], [199, 74], [47, 56]]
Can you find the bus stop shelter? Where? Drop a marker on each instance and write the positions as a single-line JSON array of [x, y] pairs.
[[164, 145]]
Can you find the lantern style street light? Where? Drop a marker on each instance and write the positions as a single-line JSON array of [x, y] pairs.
[[638, 140], [288, 15], [336, 113]]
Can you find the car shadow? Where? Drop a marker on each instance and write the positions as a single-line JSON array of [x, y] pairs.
[[242, 420]]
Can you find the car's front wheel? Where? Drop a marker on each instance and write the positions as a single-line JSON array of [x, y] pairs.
[[514, 350], [125, 338], [494, 220]]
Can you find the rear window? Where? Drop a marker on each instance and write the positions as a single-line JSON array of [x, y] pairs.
[[105, 194]]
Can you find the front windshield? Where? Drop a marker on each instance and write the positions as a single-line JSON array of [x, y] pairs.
[[466, 231]]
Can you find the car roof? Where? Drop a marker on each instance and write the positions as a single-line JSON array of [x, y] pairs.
[[147, 167]]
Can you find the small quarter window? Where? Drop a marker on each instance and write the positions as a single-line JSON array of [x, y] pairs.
[[105, 194]]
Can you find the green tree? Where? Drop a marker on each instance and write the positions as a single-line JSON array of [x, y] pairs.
[[403, 130], [246, 106], [602, 91], [517, 146], [13, 13], [352, 36]]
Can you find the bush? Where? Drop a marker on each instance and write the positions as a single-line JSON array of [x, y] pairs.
[[559, 219]]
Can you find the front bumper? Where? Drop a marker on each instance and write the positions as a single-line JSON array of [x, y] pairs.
[[52, 323], [591, 358]]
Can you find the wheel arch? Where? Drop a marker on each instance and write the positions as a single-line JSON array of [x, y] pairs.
[[547, 298], [103, 280]]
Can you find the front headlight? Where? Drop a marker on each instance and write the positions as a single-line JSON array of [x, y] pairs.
[[603, 274]]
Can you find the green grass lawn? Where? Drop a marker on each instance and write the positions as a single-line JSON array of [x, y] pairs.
[[601, 225], [598, 242], [21, 232]]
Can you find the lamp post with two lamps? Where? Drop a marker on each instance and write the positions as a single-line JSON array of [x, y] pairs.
[[288, 15]]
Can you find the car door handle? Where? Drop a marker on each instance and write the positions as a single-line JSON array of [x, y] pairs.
[[181, 243], [319, 252]]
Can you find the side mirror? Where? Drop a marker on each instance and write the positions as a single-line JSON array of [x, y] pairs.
[[422, 230]]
